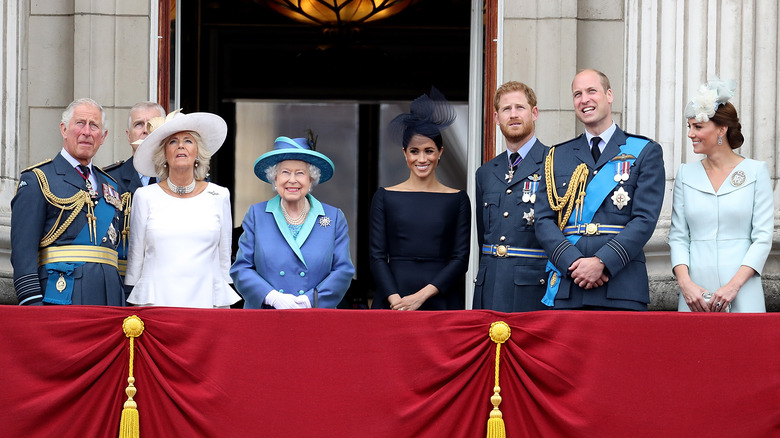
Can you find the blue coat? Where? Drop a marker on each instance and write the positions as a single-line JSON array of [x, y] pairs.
[[736, 231], [33, 216], [622, 253], [511, 284], [125, 175], [269, 258]]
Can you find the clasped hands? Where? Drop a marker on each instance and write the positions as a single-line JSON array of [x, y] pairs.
[[280, 300], [588, 272]]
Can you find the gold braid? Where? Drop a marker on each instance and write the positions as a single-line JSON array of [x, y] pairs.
[[126, 205], [576, 189], [74, 203]]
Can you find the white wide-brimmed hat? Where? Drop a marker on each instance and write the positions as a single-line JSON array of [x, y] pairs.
[[211, 128]]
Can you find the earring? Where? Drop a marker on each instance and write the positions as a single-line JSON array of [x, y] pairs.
[[197, 162], [720, 140], [165, 164]]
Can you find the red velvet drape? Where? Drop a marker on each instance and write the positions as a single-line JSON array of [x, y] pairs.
[[342, 373]]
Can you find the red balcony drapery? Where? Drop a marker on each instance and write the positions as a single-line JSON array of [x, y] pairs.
[[344, 373]]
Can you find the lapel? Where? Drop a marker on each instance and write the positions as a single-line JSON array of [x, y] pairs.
[[696, 178], [530, 164], [274, 207], [581, 150], [612, 149], [130, 176], [69, 173], [314, 213]]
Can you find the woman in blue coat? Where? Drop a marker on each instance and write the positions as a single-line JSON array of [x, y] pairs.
[[294, 252], [723, 212]]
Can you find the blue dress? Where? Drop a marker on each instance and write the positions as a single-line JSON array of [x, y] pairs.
[[416, 239]]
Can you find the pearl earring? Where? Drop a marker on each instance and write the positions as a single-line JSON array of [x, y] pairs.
[[720, 140]]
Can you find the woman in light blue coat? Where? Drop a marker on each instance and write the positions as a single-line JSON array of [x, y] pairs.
[[723, 212], [294, 252]]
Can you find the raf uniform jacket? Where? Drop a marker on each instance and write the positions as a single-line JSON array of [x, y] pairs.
[[622, 253], [509, 284], [33, 216], [270, 258], [125, 175]]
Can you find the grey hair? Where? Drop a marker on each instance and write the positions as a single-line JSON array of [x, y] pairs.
[[203, 160], [143, 105], [68, 113], [314, 174]]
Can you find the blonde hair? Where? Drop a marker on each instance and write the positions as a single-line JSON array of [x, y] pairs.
[[203, 159]]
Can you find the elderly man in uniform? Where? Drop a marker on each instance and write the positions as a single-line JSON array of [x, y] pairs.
[[511, 275], [124, 172], [597, 206], [65, 220]]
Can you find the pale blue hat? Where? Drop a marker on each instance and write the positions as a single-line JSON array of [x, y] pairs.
[[286, 148]]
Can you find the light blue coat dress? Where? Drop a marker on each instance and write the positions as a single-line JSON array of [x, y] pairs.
[[714, 233], [270, 258]]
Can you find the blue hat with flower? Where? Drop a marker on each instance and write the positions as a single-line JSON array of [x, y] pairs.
[[708, 98], [300, 149]]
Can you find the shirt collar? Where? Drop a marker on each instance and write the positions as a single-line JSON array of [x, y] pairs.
[[524, 148], [605, 136]]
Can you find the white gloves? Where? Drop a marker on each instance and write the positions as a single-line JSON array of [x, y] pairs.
[[280, 300]]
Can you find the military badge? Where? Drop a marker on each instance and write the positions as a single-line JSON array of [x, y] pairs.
[[620, 198], [112, 234], [529, 216], [622, 171], [112, 196]]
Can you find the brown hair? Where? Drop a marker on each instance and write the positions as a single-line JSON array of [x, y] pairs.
[[515, 86], [602, 78], [726, 115]]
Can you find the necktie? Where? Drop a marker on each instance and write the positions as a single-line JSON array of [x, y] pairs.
[[595, 152], [513, 160], [152, 180], [84, 170]]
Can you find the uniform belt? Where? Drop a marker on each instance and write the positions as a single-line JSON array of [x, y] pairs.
[[513, 251], [77, 253], [122, 267], [592, 229]]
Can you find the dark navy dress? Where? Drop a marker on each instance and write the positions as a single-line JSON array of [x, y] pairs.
[[420, 238]]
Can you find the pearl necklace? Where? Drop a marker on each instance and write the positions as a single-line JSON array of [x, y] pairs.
[[181, 190], [298, 220]]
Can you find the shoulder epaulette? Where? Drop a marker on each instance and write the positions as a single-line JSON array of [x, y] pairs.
[[103, 171], [568, 141], [113, 166], [639, 136], [37, 165]]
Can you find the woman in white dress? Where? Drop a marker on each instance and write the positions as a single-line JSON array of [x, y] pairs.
[[723, 212], [181, 227]]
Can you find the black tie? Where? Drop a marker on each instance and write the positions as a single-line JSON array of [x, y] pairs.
[[512, 158], [595, 152], [84, 170], [152, 180]]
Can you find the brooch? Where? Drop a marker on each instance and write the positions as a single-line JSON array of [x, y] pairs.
[[324, 221], [738, 178]]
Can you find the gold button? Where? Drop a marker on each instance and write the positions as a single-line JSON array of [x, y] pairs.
[[541, 281], [486, 204], [503, 238], [508, 191], [595, 172], [506, 214]]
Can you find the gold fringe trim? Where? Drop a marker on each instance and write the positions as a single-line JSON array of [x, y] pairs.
[[75, 203], [575, 193], [128, 424], [499, 333], [127, 200]]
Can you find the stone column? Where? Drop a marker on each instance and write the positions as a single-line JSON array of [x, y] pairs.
[[671, 48]]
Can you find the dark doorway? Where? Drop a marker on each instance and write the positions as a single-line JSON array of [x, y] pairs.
[[241, 50]]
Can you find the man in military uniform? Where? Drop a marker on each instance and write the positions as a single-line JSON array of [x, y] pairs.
[[124, 172], [511, 275], [65, 220], [597, 206]]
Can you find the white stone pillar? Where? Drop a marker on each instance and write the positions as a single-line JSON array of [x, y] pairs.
[[671, 48]]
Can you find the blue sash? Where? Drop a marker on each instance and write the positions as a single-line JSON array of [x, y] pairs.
[[104, 213], [597, 191]]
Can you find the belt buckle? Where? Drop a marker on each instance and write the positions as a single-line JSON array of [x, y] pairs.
[[501, 250], [591, 229]]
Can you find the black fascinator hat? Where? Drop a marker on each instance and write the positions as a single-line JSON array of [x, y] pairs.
[[428, 115]]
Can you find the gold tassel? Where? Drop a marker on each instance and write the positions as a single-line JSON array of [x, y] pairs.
[[499, 333], [128, 424]]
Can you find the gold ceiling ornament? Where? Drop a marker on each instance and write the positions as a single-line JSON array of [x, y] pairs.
[[338, 13]]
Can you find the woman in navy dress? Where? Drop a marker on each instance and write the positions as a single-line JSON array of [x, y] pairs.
[[420, 228]]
